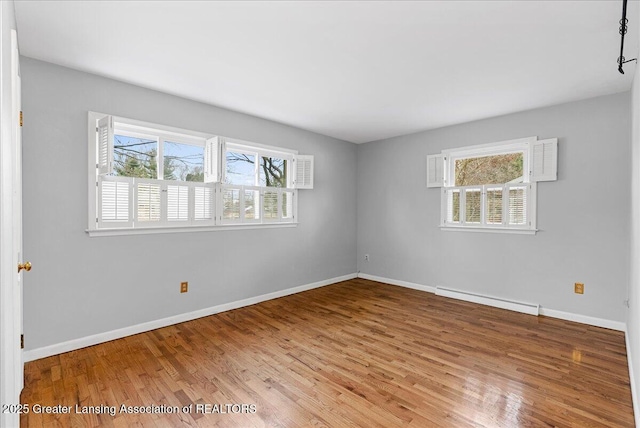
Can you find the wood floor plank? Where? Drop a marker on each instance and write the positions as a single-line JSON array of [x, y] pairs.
[[357, 353]]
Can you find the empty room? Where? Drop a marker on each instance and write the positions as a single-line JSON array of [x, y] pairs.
[[319, 213]]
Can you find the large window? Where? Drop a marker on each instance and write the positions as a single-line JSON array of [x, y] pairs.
[[492, 187], [149, 176]]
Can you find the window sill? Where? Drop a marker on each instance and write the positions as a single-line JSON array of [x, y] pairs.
[[488, 230], [183, 229]]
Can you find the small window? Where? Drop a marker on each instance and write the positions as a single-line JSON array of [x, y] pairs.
[[257, 185], [492, 186]]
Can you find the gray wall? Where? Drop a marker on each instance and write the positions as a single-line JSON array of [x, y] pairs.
[[81, 286], [584, 217], [633, 320]]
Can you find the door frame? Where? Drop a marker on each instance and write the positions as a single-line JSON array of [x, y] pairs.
[[11, 355]]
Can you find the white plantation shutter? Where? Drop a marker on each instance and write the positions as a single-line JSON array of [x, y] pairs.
[[147, 202], [435, 170], [114, 198], [213, 150], [251, 205], [177, 203], [303, 171], [270, 205], [544, 165], [493, 209], [105, 145], [453, 205], [517, 206], [287, 205], [203, 199], [231, 204], [473, 204]]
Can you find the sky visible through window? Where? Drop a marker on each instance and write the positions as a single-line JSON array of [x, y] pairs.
[[241, 169], [135, 157], [185, 161], [138, 157]]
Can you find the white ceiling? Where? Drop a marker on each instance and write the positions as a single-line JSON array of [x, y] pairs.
[[359, 71]]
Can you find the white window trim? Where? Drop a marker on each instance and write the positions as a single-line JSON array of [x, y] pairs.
[[185, 229], [488, 230], [449, 156], [163, 133], [262, 148]]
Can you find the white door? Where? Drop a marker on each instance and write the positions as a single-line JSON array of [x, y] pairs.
[[11, 359], [17, 197]]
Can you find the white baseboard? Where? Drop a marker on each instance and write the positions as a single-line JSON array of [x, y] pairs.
[[83, 342], [496, 302], [583, 319], [634, 392], [413, 285]]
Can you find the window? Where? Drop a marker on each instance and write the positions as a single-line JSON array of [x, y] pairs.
[[492, 187], [146, 176], [135, 156], [257, 184], [183, 162]]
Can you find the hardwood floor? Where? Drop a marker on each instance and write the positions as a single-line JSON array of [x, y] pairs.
[[357, 353]]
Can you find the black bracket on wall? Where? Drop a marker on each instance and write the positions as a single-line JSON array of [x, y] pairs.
[[623, 31]]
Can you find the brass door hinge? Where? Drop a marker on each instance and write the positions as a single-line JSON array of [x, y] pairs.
[[22, 341], [20, 118]]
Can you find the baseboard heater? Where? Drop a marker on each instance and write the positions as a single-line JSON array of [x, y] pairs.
[[512, 305]]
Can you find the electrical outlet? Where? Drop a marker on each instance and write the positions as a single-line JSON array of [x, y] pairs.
[[578, 288], [184, 287], [366, 257]]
